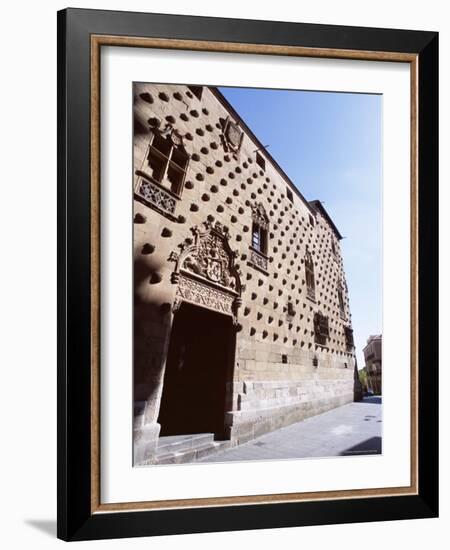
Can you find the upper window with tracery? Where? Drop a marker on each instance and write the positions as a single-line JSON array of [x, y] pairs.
[[163, 171], [260, 230], [168, 161], [309, 276], [341, 302], [260, 226]]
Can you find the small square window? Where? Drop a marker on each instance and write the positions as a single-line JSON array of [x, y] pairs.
[[289, 194], [284, 358], [197, 91], [311, 220], [260, 161]]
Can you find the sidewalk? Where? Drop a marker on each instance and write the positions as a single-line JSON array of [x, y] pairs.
[[353, 429]]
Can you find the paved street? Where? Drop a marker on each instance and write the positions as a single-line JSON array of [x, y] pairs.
[[352, 429]]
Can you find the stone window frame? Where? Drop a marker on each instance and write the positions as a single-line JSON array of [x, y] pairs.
[[310, 278], [321, 329], [259, 238], [197, 91], [290, 195], [349, 341], [154, 191], [335, 249], [259, 245], [174, 145], [341, 302], [260, 161], [290, 310]]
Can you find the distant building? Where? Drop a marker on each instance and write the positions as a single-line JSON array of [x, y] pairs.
[[372, 356], [242, 322]]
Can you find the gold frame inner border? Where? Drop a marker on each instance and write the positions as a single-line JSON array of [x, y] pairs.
[[97, 41]]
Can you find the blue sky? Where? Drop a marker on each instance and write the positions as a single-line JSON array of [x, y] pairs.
[[329, 144]]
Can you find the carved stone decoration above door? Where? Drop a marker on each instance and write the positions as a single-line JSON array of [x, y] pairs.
[[209, 261], [195, 292]]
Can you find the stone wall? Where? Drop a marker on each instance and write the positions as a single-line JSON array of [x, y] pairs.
[[281, 374]]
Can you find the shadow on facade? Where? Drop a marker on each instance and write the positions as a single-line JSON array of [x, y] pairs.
[[151, 319], [373, 400], [182, 360], [371, 446]]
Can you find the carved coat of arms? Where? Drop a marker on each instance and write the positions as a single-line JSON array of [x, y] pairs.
[[210, 257], [232, 136], [214, 270], [205, 271]]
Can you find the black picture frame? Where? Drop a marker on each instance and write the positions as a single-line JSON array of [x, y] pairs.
[[76, 518]]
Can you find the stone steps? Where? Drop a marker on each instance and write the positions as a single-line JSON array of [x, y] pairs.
[[187, 448], [172, 443]]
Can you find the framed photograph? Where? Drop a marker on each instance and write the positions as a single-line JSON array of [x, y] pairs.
[[248, 299]]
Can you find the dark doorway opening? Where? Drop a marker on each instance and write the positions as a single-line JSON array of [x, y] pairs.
[[199, 365]]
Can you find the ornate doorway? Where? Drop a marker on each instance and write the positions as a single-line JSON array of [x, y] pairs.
[[199, 365], [200, 359]]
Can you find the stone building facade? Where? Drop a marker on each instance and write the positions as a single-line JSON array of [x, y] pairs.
[[372, 357], [241, 315]]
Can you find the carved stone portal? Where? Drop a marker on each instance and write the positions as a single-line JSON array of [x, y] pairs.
[[205, 271]]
